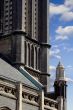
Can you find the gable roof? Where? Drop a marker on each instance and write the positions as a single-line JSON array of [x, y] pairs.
[[31, 78], [8, 71]]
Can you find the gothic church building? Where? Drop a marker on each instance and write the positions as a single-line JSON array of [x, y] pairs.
[[24, 57]]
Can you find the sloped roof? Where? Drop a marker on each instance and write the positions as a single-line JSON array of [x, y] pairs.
[[8, 71]]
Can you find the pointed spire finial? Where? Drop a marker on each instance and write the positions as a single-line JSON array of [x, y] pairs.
[[60, 65], [60, 71]]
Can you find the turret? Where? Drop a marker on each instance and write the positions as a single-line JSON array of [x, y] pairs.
[[60, 75], [60, 86]]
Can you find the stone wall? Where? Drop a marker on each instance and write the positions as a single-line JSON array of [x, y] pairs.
[[17, 96], [5, 45]]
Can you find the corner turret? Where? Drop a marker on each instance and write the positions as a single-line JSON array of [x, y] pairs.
[[60, 87], [60, 75]]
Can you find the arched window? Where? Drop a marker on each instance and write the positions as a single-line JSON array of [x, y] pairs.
[[36, 58], [39, 53], [32, 56], [28, 54], [25, 53]]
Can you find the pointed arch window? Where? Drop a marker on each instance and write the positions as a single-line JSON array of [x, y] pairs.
[[32, 56], [39, 58], [25, 53], [36, 58], [28, 54]]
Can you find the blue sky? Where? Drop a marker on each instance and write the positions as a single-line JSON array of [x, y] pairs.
[[61, 39]]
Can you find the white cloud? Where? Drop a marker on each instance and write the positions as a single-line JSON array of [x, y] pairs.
[[69, 67], [68, 16], [58, 56], [64, 33], [55, 53], [57, 9], [68, 49], [68, 30], [69, 3], [64, 10], [61, 37], [52, 68], [55, 46]]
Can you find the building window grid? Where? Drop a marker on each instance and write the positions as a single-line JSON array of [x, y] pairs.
[[35, 23], [25, 9], [6, 5], [35, 27], [8, 16]]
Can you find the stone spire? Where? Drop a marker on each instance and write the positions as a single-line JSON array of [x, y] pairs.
[[60, 87], [60, 75]]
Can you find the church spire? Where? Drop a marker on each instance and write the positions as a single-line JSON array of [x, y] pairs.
[[60, 87], [60, 75]]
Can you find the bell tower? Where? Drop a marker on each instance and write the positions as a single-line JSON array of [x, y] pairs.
[[24, 39], [60, 87]]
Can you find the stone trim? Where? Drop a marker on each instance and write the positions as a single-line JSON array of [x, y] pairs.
[[50, 104], [7, 91], [28, 95], [20, 32]]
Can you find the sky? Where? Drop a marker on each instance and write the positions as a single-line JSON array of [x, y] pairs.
[[61, 40]]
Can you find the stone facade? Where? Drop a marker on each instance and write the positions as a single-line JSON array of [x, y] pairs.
[[17, 96], [24, 56], [27, 23]]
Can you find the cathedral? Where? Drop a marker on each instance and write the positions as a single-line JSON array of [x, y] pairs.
[[24, 58]]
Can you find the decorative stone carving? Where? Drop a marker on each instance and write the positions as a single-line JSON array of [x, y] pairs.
[[8, 90], [50, 103], [1, 88], [46, 103], [30, 97]]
